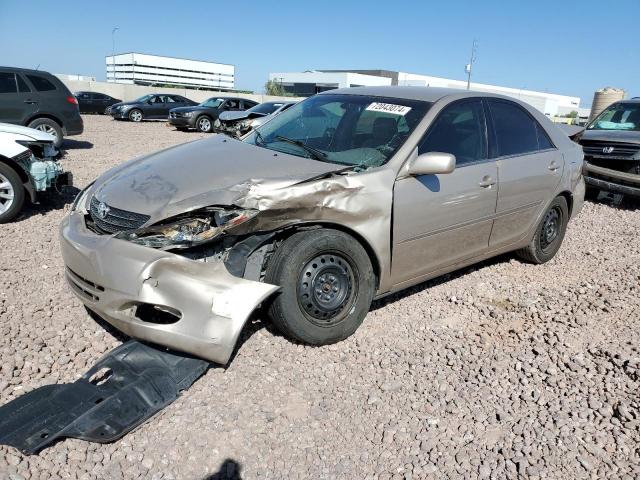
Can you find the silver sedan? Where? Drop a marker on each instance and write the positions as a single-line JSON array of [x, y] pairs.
[[345, 197]]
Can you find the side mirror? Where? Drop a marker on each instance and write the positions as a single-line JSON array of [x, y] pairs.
[[432, 163]]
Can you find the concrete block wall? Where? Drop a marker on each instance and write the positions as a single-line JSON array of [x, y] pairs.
[[128, 92]]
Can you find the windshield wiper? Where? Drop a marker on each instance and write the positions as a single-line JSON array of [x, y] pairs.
[[315, 153]]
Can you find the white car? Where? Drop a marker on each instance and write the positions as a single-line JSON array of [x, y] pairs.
[[27, 167]]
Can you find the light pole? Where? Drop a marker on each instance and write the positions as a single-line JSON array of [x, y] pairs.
[[468, 67], [113, 52]]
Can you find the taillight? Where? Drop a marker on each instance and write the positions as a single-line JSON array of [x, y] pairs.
[[73, 100]]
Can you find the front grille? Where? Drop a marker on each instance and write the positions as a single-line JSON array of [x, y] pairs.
[[115, 220], [602, 149], [174, 115]]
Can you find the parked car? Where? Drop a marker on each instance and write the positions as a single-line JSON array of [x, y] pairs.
[[611, 144], [37, 99], [237, 124], [151, 106], [347, 196], [202, 116], [93, 102], [27, 167]]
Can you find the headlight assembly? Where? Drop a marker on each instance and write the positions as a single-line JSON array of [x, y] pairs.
[[190, 229], [187, 114], [80, 202]]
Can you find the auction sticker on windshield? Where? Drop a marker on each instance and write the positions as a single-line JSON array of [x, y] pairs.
[[389, 108]]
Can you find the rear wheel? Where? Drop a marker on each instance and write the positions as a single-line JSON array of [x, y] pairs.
[[49, 126], [135, 115], [204, 124], [327, 285], [11, 193], [549, 234]]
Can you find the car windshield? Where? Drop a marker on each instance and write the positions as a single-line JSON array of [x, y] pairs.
[[265, 108], [619, 116], [356, 130], [144, 98], [212, 102]]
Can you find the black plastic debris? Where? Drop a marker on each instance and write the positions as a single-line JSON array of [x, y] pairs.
[[126, 387]]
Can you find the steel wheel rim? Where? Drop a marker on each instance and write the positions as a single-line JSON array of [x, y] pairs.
[[550, 228], [326, 287], [43, 127], [204, 124], [6, 194], [136, 116]]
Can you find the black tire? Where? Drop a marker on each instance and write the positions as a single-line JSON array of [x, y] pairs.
[[136, 115], [204, 124], [549, 234], [327, 286], [49, 126], [16, 188]]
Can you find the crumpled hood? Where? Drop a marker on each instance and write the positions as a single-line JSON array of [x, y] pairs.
[[623, 136], [198, 174], [32, 133]]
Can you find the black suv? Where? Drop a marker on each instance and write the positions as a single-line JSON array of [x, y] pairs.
[[611, 144], [202, 116], [39, 100]]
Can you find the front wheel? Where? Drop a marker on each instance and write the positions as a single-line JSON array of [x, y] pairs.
[[135, 115], [327, 286], [549, 233], [11, 193], [204, 124]]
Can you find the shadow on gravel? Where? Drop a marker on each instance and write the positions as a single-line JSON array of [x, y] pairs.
[[229, 470], [626, 202], [48, 202], [440, 280], [76, 144]]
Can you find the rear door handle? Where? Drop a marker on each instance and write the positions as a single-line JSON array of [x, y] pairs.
[[487, 181], [30, 101], [553, 166]]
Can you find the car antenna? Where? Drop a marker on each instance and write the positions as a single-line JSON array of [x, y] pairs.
[[38, 67]]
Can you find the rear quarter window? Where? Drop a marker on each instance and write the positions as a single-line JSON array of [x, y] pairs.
[[41, 84], [8, 83]]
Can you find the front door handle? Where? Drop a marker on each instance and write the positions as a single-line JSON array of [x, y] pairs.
[[30, 101], [487, 181], [553, 166]]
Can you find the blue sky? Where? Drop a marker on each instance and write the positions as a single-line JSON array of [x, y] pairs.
[[562, 46]]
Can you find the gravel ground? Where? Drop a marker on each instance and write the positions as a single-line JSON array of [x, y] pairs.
[[503, 370]]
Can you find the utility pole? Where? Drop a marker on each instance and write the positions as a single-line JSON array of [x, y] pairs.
[[469, 66], [113, 53]]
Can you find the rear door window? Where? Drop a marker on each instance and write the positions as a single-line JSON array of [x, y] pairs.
[[8, 83], [516, 131], [41, 84]]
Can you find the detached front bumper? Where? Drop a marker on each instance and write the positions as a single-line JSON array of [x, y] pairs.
[[119, 114], [611, 180], [202, 306]]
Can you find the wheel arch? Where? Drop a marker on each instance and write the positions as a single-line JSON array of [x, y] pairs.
[[568, 196], [44, 115], [286, 232]]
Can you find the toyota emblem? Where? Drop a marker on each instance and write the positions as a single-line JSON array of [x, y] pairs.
[[103, 210], [608, 150]]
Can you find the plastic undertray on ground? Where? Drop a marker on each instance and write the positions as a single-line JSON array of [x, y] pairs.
[[126, 387]]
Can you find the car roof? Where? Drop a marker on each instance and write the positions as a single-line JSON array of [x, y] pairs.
[[425, 94], [24, 70]]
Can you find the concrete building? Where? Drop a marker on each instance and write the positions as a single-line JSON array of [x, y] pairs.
[[311, 82], [141, 69]]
